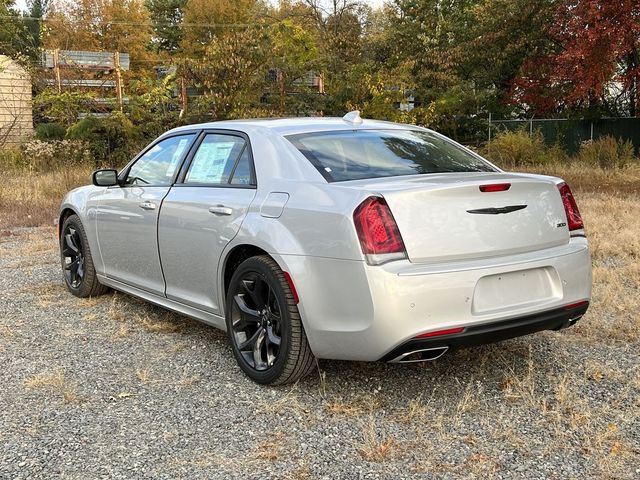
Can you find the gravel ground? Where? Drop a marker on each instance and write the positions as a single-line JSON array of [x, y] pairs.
[[114, 388]]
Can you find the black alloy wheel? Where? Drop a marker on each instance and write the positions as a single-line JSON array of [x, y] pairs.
[[264, 324], [73, 257], [77, 264], [256, 321]]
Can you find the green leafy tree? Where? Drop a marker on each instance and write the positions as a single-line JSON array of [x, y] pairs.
[[293, 54], [204, 20], [166, 16], [36, 10], [231, 72], [502, 35], [14, 35]]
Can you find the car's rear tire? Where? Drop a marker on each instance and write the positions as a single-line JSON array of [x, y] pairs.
[[77, 264], [264, 325]]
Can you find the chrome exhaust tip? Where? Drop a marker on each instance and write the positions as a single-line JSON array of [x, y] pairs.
[[421, 355]]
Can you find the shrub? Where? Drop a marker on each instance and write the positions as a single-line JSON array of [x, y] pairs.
[[42, 156], [517, 149], [63, 108], [112, 140], [607, 152], [50, 131]]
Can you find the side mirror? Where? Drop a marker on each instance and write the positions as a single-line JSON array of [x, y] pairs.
[[105, 178]]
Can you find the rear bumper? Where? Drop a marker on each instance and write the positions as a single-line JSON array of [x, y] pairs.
[[494, 332], [354, 311]]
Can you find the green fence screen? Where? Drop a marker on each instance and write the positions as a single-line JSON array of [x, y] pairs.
[[569, 133]]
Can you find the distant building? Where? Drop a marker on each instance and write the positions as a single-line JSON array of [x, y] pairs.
[[16, 116]]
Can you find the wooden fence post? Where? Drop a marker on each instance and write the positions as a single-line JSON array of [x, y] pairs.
[[489, 140], [116, 61], [56, 69], [183, 96]]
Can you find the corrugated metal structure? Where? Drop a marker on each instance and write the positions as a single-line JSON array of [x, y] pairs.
[[16, 116], [74, 69], [84, 59]]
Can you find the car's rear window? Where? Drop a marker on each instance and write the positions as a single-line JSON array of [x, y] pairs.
[[356, 154]]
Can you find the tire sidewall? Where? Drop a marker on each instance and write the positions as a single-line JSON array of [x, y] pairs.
[[256, 266]]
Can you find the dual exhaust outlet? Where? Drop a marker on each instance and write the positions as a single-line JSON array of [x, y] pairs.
[[420, 355]]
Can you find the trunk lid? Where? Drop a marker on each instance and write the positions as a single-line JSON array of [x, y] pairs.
[[445, 217]]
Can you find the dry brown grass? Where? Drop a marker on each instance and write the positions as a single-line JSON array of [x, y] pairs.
[[609, 202], [614, 233], [586, 178], [359, 405], [377, 447], [55, 383], [274, 448], [29, 199], [166, 324]]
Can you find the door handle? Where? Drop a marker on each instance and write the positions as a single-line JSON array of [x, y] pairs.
[[148, 205], [221, 210]]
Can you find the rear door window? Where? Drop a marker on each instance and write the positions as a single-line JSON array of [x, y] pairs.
[[220, 160]]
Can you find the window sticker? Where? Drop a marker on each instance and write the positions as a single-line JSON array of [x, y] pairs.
[[209, 163]]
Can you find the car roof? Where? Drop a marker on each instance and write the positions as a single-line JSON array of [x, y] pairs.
[[292, 126]]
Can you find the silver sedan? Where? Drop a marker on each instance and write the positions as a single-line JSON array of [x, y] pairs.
[[336, 238]]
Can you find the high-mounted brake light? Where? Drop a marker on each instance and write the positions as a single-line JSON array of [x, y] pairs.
[[378, 232], [574, 219], [495, 187]]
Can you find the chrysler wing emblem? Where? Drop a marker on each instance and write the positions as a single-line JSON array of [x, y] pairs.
[[497, 210]]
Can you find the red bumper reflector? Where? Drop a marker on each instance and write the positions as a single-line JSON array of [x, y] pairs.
[[438, 333], [294, 292], [571, 306], [495, 187]]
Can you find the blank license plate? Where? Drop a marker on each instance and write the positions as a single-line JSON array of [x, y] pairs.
[[522, 288]]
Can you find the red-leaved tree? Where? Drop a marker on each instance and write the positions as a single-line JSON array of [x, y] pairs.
[[595, 63]]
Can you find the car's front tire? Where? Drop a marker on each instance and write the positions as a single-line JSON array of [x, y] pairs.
[[264, 325], [77, 264]]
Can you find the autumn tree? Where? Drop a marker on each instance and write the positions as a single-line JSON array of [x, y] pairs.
[[107, 25], [293, 54], [596, 65], [206, 19], [501, 35], [231, 71]]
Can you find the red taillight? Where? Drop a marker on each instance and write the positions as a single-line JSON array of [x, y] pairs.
[[574, 219], [378, 232], [495, 187], [438, 333]]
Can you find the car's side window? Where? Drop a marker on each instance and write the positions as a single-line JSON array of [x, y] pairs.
[[220, 160], [158, 165], [242, 173]]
